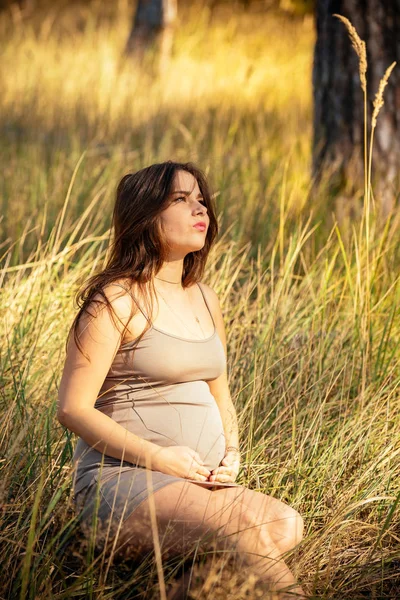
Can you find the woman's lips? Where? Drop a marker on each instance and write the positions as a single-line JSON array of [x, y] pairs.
[[200, 227]]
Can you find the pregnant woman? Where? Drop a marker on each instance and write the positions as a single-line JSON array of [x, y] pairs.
[[146, 391]]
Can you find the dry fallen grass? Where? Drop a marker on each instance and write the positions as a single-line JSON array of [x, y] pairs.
[[311, 307]]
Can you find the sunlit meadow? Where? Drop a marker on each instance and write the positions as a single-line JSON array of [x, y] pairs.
[[310, 296]]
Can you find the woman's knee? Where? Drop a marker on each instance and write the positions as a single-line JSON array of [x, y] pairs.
[[277, 517], [292, 527], [283, 522], [233, 518], [298, 525]]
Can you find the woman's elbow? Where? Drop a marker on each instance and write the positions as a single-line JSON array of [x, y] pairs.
[[69, 417], [62, 416]]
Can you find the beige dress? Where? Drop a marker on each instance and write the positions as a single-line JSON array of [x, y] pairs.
[[160, 394]]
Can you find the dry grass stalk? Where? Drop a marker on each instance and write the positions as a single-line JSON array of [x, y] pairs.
[[360, 48], [378, 102]]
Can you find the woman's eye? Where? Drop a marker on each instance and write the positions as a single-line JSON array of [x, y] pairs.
[[203, 202]]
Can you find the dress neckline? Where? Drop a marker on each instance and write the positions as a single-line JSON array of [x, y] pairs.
[[178, 337]]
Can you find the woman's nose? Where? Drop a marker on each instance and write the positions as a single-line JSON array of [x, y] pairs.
[[202, 209]]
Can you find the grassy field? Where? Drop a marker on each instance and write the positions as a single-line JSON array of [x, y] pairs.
[[310, 300]]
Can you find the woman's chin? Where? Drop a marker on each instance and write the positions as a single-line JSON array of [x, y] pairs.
[[198, 247], [178, 252]]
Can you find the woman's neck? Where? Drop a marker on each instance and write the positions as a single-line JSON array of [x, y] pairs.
[[170, 274]]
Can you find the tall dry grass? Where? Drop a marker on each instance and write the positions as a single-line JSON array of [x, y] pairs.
[[310, 305]]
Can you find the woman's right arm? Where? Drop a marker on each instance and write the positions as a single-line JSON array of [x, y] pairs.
[[81, 382]]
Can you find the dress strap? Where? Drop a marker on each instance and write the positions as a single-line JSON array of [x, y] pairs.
[[205, 300], [133, 298]]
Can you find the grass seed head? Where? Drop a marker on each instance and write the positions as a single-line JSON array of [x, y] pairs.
[[378, 102], [360, 48]]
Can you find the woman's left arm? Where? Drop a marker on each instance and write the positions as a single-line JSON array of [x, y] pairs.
[[219, 388]]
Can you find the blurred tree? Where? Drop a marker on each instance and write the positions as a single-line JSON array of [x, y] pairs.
[[338, 98], [152, 28]]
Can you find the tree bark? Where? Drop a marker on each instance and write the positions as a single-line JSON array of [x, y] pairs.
[[152, 28], [338, 98]]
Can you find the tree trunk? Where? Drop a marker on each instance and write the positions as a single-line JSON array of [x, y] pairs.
[[338, 98], [152, 28]]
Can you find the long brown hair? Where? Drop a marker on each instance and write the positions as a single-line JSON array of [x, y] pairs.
[[138, 247]]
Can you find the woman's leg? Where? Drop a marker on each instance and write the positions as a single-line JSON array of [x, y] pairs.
[[284, 523], [187, 514]]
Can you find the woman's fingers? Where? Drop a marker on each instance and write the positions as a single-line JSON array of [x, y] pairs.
[[197, 464], [203, 471], [223, 471], [224, 474], [198, 476], [223, 478], [199, 472], [199, 469]]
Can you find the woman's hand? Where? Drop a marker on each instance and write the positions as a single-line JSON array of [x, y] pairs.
[[180, 461], [229, 468]]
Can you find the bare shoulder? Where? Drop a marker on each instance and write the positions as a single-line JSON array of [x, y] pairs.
[[120, 295], [120, 288], [215, 308], [210, 294]]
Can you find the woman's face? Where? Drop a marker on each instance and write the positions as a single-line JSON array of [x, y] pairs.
[[185, 208]]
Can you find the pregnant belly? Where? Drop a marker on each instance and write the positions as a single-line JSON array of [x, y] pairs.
[[183, 414]]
